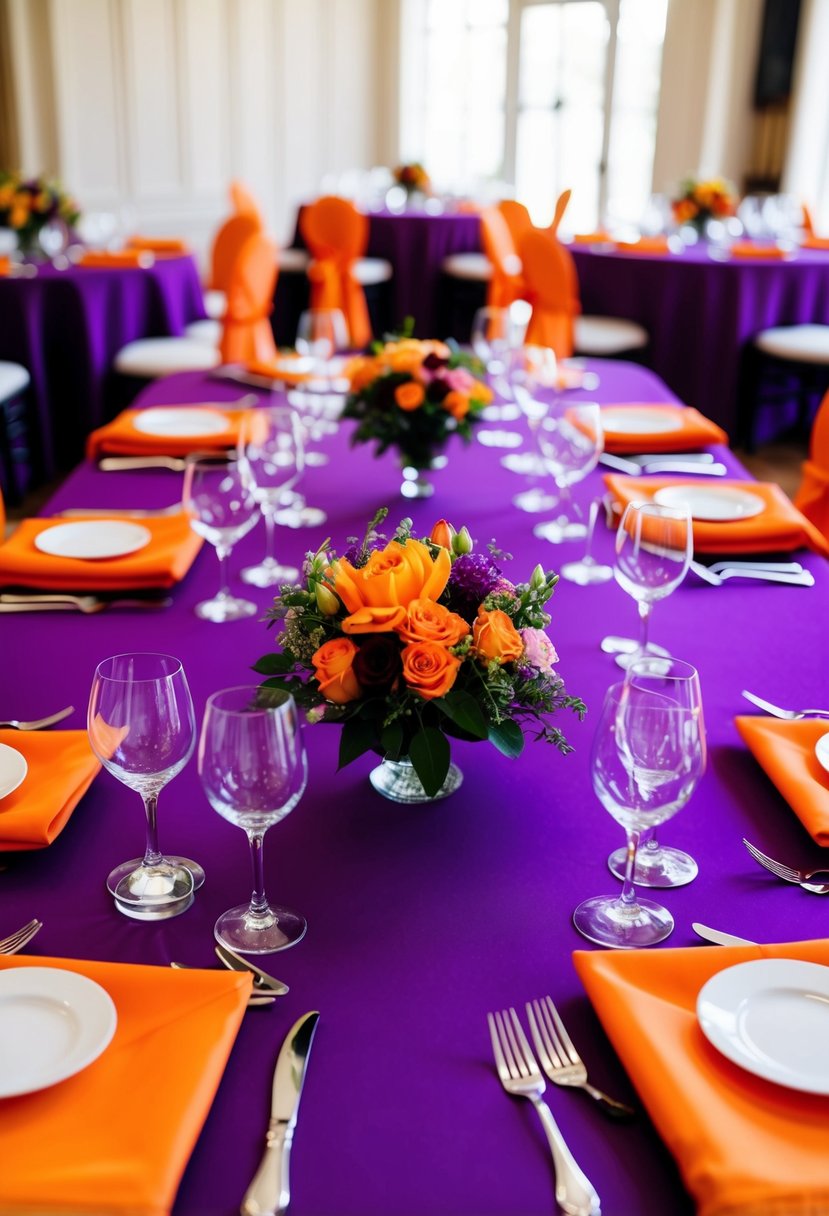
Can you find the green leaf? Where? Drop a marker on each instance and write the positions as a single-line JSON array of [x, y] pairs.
[[391, 740], [274, 664], [465, 712], [508, 737], [357, 737], [429, 754]]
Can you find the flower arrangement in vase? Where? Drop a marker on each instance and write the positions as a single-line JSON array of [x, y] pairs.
[[413, 395], [27, 205], [697, 202], [409, 642], [413, 178]]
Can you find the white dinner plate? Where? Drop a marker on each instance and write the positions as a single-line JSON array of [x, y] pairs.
[[296, 365], [53, 1023], [181, 423], [822, 751], [771, 1017], [722, 503], [13, 769], [633, 420], [93, 539]]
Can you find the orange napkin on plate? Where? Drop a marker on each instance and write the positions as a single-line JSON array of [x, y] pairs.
[[645, 244], [61, 769], [121, 438], [122, 259], [779, 527], [748, 249], [815, 242], [592, 238], [169, 245], [786, 750], [115, 1138], [161, 563], [744, 1146], [282, 369], [696, 431]]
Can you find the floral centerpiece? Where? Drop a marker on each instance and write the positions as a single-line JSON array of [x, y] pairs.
[[413, 395], [413, 178], [700, 201], [28, 204], [409, 642]]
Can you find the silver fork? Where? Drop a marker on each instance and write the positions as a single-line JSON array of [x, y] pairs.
[[521, 1077], [16, 941], [560, 1060], [776, 711], [88, 604], [717, 577], [800, 878], [38, 723]]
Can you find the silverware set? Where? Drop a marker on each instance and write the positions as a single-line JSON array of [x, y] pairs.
[[266, 988], [16, 941], [87, 604], [768, 572], [801, 878], [701, 464], [38, 723]]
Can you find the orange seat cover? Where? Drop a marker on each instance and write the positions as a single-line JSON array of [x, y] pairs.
[[812, 497], [226, 247], [336, 234], [550, 274], [243, 202], [507, 282], [517, 217], [247, 333]]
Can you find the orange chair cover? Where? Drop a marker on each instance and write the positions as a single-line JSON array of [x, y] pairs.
[[5, 265], [812, 497], [247, 333], [786, 752], [61, 769], [243, 201], [507, 282], [808, 221], [550, 274], [562, 203], [121, 437], [227, 246], [517, 218], [336, 234]]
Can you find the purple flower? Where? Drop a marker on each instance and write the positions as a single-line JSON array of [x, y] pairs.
[[354, 553], [473, 576], [539, 650]]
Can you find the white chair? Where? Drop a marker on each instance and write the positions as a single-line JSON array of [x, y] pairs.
[[14, 380], [369, 272], [152, 358], [801, 353], [469, 267]]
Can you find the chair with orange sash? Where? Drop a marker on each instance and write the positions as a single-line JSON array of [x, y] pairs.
[[244, 202], [247, 335], [227, 243], [812, 497], [517, 219], [506, 283]]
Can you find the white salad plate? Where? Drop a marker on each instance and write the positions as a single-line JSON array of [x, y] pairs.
[[771, 1017], [53, 1023], [91, 539], [630, 420], [180, 423], [13, 769], [718, 503]]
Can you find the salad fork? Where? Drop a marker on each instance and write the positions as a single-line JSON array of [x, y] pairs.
[[776, 711], [16, 941], [38, 723], [560, 1059], [800, 878], [521, 1077]]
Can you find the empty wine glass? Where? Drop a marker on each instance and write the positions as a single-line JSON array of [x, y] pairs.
[[660, 865], [254, 770], [586, 570], [571, 440], [222, 509], [142, 728], [647, 758], [271, 460], [653, 549], [320, 332]]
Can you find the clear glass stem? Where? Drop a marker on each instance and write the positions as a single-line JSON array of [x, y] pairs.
[[650, 841], [592, 516], [223, 553], [270, 534], [258, 900], [628, 895], [152, 855], [644, 618]]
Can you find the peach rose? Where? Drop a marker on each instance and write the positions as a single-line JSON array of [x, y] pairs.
[[409, 396], [377, 595], [442, 534], [360, 372], [427, 621], [456, 404], [495, 636], [429, 669], [333, 667]]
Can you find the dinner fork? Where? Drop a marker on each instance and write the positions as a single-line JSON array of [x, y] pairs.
[[521, 1077], [16, 941], [87, 604], [560, 1059], [776, 711], [800, 878], [717, 577], [38, 723]]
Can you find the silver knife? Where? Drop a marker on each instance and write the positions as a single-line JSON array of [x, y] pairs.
[[237, 963], [115, 464], [270, 1192], [718, 938]]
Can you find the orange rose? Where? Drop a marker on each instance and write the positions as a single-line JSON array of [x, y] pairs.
[[495, 636], [409, 396], [427, 621], [456, 404], [361, 371], [429, 669], [377, 595], [333, 667]]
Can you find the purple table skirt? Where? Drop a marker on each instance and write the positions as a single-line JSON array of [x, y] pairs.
[[66, 326], [422, 919]]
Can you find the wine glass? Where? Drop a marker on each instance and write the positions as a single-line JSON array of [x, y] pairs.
[[254, 770], [320, 332], [222, 509], [586, 570], [571, 440], [142, 728], [660, 865], [271, 460], [653, 550], [647, 758]]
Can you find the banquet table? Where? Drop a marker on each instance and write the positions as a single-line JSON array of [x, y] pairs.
[[421, 918], [65, 327]]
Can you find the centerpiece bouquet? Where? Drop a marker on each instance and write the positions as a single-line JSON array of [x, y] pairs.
[[413, 178], [28, 204], [409, 642], [697, 202], [413, 395]]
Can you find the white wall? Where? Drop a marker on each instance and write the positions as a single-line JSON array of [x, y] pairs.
[[154, 105]]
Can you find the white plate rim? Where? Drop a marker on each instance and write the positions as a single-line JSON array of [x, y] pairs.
[[19, 774], [673, 496], [68, 987], [142, 537], [750, 977], [822, 753], [647, 412], [143, 421]]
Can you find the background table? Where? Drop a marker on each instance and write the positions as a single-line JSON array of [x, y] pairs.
[[421, 919]]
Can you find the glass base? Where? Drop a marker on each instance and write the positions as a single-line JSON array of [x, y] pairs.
[[617, 645], [269, 573], [246, 933], [662, 866], [534, 502], [167, 912], [315, 460], [586, 572], [656, 653], [301, 517], [609, 922], [225, 608], [558, 530], [398, 781], [151, 892], [123, 874]]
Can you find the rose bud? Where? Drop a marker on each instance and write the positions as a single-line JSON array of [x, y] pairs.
[[462, 542], [442, 534], [538, 578], [327, 601]]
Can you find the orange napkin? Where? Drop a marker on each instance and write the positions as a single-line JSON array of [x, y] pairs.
[[169, 245], [645, 244], [5, 266], [780, 527], [161, 563], [121, 438], [748, 249], [696, 431], [592, 238], [280, 369], [122, 259], [786, 751], [114, 1138], [61, 770], [815, 242], [744, 1146]]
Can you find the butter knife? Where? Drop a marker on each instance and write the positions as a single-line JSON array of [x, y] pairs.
[[269, 1193], [235, 962], [719, 938]]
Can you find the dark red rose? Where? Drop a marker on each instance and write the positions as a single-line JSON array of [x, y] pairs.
[[432, 362], [436, 390], [377, 663]]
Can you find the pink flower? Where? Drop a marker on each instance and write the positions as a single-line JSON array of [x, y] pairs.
[[459, 379], [539, 651]]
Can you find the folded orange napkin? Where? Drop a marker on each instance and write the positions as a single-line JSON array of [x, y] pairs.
[[61, 769], [592, 238], [815, 242], [170, 245], [121, 259], [281, 369], [779, 527], [696, 431], [121, 438], [5, 266], [786, 751], [744, 1146], [114, 1138], [645, 244], [161, 563], [748, 249]]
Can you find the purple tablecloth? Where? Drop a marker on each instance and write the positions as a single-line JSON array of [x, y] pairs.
[[421, 919], [65, 326]]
